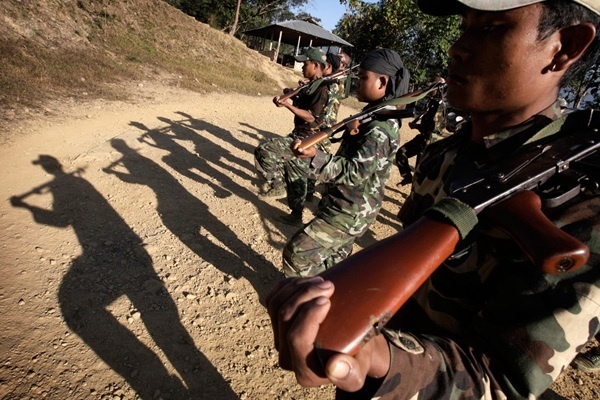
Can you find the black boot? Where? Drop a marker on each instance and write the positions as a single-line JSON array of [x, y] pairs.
[[294, 218]]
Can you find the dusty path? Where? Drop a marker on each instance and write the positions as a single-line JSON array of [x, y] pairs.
[[137, 267]]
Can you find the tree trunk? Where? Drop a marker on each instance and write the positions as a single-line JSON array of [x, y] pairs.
[[235, 20]]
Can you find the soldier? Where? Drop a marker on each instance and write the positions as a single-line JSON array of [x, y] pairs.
[[487, 323], [345, 62], [312, 113], [354, 177], [431, 125], [335, 93]]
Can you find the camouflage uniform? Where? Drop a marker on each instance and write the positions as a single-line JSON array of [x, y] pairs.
[[275, 161], [355, 180], [429, 131], [501, 328], [297, 195]]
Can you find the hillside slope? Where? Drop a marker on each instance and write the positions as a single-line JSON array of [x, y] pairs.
[[87, 49]]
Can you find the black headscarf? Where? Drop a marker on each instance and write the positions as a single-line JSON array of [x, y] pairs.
[[388, 62]]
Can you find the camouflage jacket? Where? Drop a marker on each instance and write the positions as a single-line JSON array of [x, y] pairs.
[[334, 92], [504, 328], [356, 175], [321, 105]]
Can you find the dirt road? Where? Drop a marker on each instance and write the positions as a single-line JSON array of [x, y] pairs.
[[135, 252]]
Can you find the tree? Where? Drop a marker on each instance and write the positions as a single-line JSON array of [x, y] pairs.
[[234, 16], [235, 20], [421, 40], [583, 89]]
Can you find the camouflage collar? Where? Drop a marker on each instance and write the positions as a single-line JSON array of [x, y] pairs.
[[545, 116]]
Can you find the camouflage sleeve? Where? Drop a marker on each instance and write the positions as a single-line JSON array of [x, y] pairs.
[[523, 332], [318, 107], [430, 368], [333, 105], [367, 153]]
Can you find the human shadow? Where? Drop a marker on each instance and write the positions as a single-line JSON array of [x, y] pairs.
[[114, 264], [190, 220], [261, 134], [196, 125], [208, 159]]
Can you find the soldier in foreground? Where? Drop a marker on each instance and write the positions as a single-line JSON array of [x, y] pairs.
[[487, 323]]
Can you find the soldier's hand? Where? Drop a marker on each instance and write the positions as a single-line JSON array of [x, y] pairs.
[[280, 103], [309, 152], [297, 308]]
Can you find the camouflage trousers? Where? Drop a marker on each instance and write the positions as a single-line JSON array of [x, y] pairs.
[[276, 163], [315, 248], [270, 158]]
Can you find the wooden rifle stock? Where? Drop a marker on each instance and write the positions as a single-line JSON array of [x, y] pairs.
[[548, 247], [390, 109], [351, 124], [318, 82], [291, 93], [372, 285]]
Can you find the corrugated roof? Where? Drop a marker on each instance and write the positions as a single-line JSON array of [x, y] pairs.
[[290, 30]]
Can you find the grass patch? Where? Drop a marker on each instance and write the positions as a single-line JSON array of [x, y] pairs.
[[86, 49]]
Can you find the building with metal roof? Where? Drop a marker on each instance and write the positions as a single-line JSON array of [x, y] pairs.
[[297, 33]]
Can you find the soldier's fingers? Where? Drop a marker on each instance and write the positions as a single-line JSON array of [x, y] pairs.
[[349, 373], [278, 286], [295, 144], [307, 292], [301, 337], [304, 291], [346, 372], [273, 306], [283, 301]]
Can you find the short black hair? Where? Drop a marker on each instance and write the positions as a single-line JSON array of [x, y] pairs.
[[557, 14], [334, 61]]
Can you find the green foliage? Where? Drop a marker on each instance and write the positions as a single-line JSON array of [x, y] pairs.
[[421, 40], [583, 89], [253, 13]]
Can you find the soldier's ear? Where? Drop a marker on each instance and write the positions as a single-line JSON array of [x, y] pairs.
[[382, 81], [573, 41]]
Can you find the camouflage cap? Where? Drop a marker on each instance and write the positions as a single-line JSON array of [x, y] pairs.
[[314, 54], [449, 7]]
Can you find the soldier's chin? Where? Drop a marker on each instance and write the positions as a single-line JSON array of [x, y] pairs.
[[459, 102]]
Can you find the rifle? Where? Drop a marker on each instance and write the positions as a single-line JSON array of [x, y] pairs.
[[43, 188], [373, 285], [393, 108], [314, 85]]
